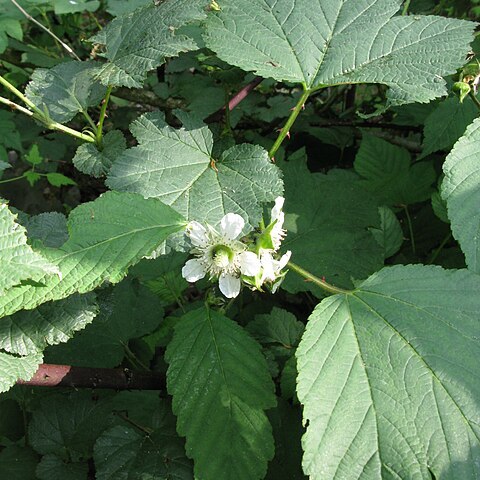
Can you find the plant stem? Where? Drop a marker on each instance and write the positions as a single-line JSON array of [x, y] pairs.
[[70, 131], [406, 7], [15, 106], [475, 99], [410, 228], [103, 112], [20, 95], [291, 120], [134, 359], [317, 281], [14, 179], [90, 121], [440, 248], [36, 22]]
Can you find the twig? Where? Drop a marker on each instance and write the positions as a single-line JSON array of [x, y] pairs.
[[103, 113], [83, 377], [15, 106], [235, 100], [43, 27]]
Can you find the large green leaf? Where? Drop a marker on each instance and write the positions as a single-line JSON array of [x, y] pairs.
[[13, 368], [176, 167], [30, 331], [19, 262], [461, 190], [67, 426], [220, 385], [130, 311], [18, 463], [331, 42], [390, 380], [387, 171], [122, 453], [65, 90], [327, 220], [92, 161], [447, 123], [52, 467], [107, 236], [140, 41]]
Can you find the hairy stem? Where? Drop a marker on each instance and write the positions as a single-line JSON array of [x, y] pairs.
[[103, 113], [291, 120], [15, 106], [317, 281], [44, 28], [20, 95], [406, 6]]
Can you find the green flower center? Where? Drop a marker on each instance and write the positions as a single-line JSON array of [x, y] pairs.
[[222, 256]]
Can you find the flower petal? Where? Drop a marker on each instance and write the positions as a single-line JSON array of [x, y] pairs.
[[193, 270], [231, 226], [197, 234], [268, 267], [284, 260], [249, 263], [277, 209], [229, 285]]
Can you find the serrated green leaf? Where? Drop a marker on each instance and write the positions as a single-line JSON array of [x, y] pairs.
[[439, 207], [88, 159], [279, 326], [175, 166], [13, 368], [333, 42], [30, 331], [218, 377], [33, 156], [446, 124], [385, 395], [327, 221], [18, 463], [461, 190], [107, 236], [50, 228], [9, 135], [65, 89], [52, 467], [388, 172], [122, 453], [130, 311], [140, 41], [9, 27], [58, 180], [68, 426], [390, 234], [19, 262]]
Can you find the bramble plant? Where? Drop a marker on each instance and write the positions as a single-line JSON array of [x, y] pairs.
[[240, 238]]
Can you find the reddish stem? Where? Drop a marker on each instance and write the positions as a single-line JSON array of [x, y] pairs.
[[235, 100], [84, 377]]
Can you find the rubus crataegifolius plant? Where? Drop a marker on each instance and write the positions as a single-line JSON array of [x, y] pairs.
[[263, 215]]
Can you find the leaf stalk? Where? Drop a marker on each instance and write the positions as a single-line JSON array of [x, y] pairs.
[[324, 285], [291, 120]]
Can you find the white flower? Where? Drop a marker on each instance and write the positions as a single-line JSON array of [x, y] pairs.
[[277, 232], [220, 255], [272, 268]]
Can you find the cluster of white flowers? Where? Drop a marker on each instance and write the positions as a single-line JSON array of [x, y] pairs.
[[221, 254]]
